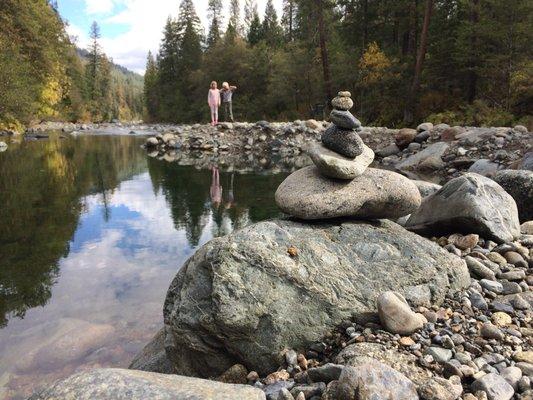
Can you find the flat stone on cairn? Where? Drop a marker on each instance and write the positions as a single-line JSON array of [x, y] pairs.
[[341, 184], [334, 165]]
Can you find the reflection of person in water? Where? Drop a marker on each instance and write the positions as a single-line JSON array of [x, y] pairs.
[[231, 198], [216, 189]]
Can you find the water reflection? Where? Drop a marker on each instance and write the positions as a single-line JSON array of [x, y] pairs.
[[92, 234]]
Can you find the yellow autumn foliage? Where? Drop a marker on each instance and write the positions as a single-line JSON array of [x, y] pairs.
[[373, 64]]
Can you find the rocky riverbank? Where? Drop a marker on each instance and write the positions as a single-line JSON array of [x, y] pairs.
[[375, 287], [436, 152]]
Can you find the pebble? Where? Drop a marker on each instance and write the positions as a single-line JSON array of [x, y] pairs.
[[490, 331], [524, 356], [512, 375], [495, 387], [493, 286], [291, 358], [439, 354], [500, 318], [441, 389], [274, 377]]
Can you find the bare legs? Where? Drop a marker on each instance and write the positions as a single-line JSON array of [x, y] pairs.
[[214, 115]]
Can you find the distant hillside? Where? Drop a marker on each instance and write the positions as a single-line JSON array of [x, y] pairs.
[[44, 77], [84, 54]]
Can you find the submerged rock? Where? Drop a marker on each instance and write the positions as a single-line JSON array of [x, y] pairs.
[[377, 193], [153, 356], [243, 299], [333, 165], [471, 204], [123, 384]]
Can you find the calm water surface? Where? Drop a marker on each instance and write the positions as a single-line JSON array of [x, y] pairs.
[[91, 233]]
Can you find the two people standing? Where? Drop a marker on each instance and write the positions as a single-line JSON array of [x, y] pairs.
[[214, 98]]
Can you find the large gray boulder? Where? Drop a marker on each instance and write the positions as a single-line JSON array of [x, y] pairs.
[[519, 184], [469, 204], [123, 384], [376, 194], [243, 298]]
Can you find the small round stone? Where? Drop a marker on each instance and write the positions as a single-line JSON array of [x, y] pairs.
[[342, 103]]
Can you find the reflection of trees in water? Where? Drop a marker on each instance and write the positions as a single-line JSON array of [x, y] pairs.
[[187, 193], [41, 185]]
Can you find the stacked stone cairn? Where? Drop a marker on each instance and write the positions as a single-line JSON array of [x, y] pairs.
[[340, 184]]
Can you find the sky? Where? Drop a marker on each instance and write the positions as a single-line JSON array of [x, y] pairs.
[[130, 28]]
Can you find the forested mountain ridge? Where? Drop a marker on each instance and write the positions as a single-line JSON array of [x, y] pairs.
[[43, 78], [464, 62]]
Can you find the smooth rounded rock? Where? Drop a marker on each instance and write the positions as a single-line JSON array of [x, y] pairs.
[[404, 136], [344, 119], [333, 165], [343, 141], [495, 386], [377, 193], [396, 315], [342, 103]]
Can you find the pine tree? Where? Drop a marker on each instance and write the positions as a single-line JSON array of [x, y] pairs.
[[214, 13], [255, 33], [188, 15], [93, 66], [288, 19], [250, 10], [271, 29], [151, 94], [235, 17], [168, 72]]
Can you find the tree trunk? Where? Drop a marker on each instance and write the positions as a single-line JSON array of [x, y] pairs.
[[365, 24], [410, 107], [328, 91], [472, 73]]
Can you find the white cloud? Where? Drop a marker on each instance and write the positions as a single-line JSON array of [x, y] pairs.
[[78, 36], [145, 20], [98, 6]]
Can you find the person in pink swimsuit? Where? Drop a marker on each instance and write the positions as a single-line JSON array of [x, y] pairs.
[[213, 99]]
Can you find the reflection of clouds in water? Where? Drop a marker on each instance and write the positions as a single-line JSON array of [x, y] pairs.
[[117, 273]]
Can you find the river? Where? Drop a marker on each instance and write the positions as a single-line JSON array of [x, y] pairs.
[[92, 232]]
